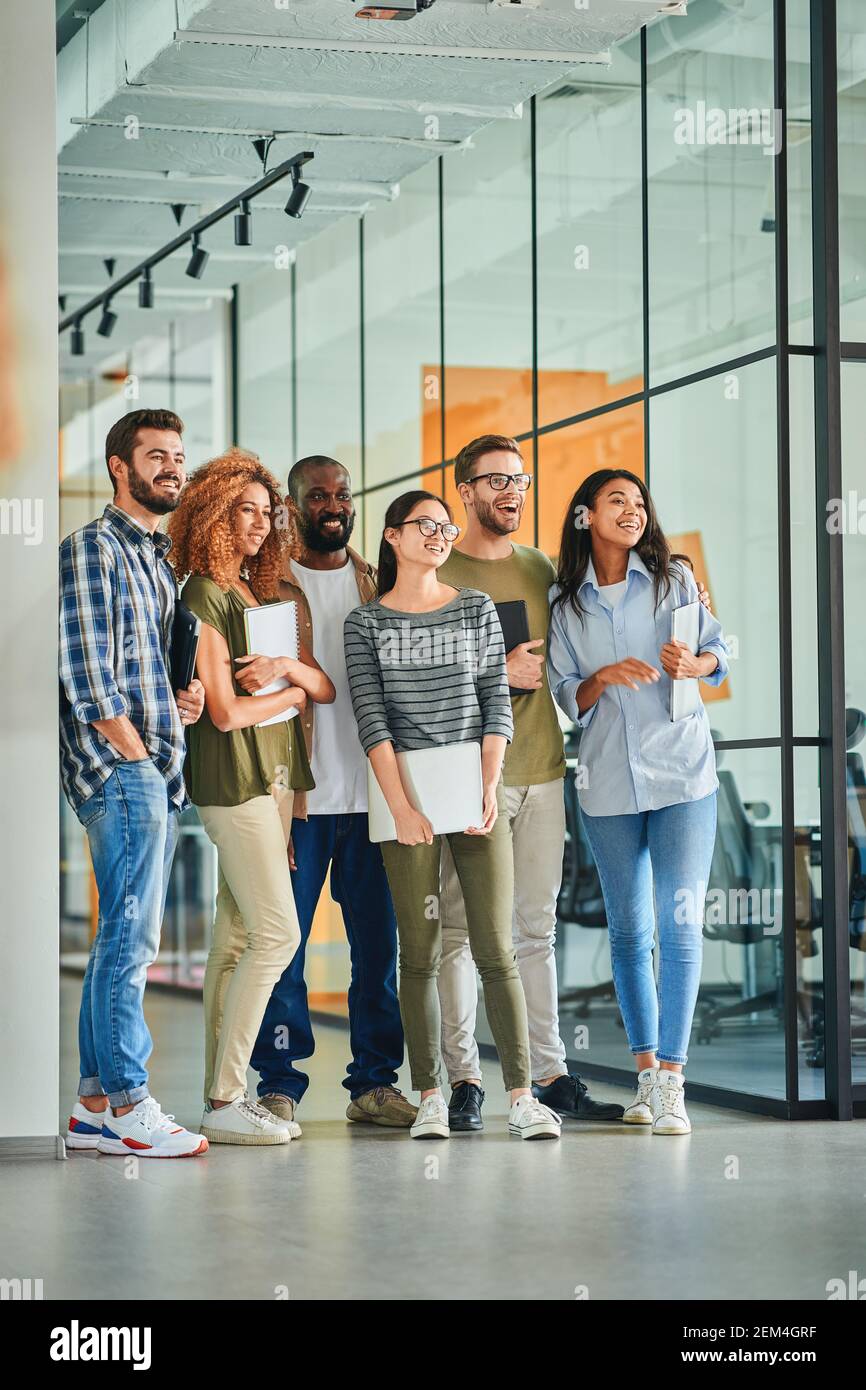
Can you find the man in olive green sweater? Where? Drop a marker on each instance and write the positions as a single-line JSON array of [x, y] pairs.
[[493, 486]]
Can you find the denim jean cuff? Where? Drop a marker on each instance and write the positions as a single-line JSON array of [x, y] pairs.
[[263, 1091], [652, 1047], [679, 1059], [89, 1086], [130, 1097]]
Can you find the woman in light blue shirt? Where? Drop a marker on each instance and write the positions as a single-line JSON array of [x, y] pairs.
[[649, 799]]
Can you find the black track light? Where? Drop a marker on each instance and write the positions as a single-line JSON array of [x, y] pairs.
[[198, 260], [145, 290], [76, 339], [299, 196], [108, 320], [243, 225]]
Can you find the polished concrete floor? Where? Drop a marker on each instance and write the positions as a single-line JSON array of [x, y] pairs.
[[361, 1213]]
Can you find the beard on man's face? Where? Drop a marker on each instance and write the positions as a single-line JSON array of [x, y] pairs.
[[315, 538], [501, 523], [147, 495]]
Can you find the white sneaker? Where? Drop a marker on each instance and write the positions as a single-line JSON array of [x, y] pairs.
[[243, 1122], [147, 1133], [640, 1112], [529, 1119], [85, 1127], [668, 1104], [283, 1109], [431, 1122]]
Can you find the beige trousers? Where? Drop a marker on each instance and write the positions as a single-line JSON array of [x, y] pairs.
[[255, 932]]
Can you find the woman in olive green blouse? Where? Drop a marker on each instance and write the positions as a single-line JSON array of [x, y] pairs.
[[226, 535]]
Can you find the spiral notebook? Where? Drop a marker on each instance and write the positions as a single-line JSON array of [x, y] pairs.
[[272, 630]]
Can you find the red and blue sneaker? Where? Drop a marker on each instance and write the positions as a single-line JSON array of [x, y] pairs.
[[85, 1127], [147, 1133]]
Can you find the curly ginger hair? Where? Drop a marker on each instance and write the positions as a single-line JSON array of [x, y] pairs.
[[202, 529]]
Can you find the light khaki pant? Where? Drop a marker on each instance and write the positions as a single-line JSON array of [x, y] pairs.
[[255, 932], [536, 819]]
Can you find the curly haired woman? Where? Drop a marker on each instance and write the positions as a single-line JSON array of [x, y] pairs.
[[241, 775]]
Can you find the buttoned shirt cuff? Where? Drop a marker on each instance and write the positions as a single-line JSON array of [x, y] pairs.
[[566, 698], [111, 707], [720, 653]]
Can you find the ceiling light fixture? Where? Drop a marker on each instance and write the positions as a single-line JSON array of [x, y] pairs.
[[299, 196], [198, 260], [145, 289], [106, 324], [244, 225], [141, 274]]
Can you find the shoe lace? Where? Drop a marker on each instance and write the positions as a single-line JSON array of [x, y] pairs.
[[256, 1113], [670, 1096], [536, 1111], [152, 1117]]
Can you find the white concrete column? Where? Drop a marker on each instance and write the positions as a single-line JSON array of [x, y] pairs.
[[29, 1041]]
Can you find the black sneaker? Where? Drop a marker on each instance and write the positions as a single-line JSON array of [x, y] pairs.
[[464, 1108], [568, 1095]]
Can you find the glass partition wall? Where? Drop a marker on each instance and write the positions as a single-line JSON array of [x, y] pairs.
[[658, 265]]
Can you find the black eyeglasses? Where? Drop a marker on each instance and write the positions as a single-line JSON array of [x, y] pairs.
[[499, 481], [429, 527]]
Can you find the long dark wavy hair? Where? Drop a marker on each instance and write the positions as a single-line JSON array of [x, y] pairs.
[[575, 548], [397, 512]]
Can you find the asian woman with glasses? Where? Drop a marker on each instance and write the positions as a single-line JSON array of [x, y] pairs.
[[446, 685]]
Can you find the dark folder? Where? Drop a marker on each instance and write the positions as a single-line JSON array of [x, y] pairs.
[[184, 646], [515, 629]]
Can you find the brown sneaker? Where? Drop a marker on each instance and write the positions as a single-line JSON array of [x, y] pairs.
[[284, 1109], [384, 1105]]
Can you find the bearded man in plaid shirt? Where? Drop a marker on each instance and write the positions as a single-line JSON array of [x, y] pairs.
[[123, 743]]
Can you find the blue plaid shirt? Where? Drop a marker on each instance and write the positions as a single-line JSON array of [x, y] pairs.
[[117, 597]]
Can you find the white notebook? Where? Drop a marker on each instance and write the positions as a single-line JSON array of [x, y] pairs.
[[443, 783], [272, 630], [685, 627]]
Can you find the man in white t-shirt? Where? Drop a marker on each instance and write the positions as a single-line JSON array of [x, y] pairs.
[[330, 831]]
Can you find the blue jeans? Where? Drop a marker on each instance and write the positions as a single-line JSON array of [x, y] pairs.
[[669, 851], [132, 828], [359, 885]]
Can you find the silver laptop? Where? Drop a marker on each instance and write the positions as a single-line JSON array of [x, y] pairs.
[[685, 627], [443, 783]]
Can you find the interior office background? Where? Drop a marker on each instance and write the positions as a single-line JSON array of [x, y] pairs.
[[611, 297]]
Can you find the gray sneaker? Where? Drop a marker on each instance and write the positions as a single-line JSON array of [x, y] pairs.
[[284, 1109]]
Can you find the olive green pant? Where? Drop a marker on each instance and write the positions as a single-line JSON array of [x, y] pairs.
[[485, 868]]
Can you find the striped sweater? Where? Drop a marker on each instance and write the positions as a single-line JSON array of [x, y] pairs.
[[424, 679]]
